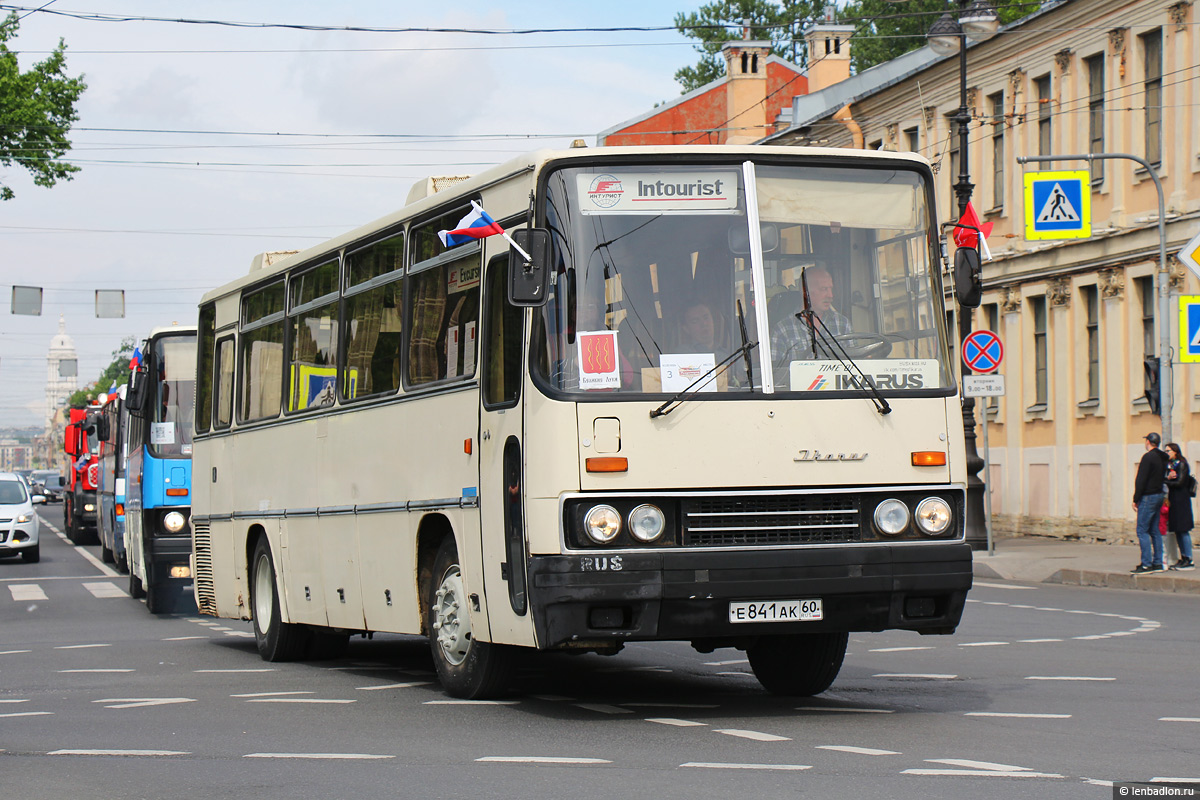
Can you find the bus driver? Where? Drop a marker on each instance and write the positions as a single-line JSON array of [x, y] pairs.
[[790, 339]]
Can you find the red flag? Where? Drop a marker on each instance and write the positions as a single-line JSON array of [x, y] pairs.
[[965, 237]]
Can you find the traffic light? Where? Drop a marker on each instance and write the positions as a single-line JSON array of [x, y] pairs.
[[1152, 394]]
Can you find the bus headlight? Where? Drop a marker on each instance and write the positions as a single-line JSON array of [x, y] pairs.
[[891, 517], [173, 521], [602, 524], [933, 516], [647, 523]]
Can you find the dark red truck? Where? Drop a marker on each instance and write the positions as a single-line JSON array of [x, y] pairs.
[[83, 477]]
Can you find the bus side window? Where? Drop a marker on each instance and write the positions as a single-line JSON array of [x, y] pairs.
[[223, 390], [444, 314], [502, 340]]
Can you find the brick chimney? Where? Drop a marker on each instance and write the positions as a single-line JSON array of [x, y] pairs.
[[746, 90], [828, 53]]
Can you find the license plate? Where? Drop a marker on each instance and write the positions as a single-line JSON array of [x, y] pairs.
[[776, 611]]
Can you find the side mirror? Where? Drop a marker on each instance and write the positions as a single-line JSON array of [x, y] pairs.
[[968, 277], [528, 281], [71, 440], [135, 398], [103, 432], [38, 499], [739, 238]]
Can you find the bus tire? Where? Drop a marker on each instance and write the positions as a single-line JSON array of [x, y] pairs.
[[276, 640], [466, 667], [106, 555], [136, 590], [800, 665]]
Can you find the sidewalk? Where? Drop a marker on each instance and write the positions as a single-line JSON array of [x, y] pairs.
[[1037, 560]]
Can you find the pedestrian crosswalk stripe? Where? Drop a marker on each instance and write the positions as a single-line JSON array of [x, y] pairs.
[[24, 592], [105, 589]]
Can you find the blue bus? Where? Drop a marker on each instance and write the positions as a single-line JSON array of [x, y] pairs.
[[112, 428], [158, 497]]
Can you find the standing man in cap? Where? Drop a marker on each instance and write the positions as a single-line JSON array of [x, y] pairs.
[[1147, 502]]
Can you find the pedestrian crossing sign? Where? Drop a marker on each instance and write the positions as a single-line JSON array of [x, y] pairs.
[[1058, 205], [1189, 329]]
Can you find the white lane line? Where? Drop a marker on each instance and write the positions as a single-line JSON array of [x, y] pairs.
[[79, 646], [897, 649], [862, 751], [105, 589], [933, 676], [678, 723], [1014, 715], [757, 736], [105, 570], [848, 710], [225, 671], [7, 700], [1038, 641], [118, 753], [13, 652], [727, 663], [999, 585], [979, 773], [268, 694], [736, 674], [410, 685], [1175, 780], [542, 760], [981, 644], [1179, 719], [80, 671], [326, 756], [24, 592], [1066, 678], [602, 708], [27, 714], [968, 764], [471, 702], [182, 638], [144, 702], [312, 700], [719, 765]]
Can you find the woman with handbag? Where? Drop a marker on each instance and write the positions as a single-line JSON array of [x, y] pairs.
[[1181, 488]]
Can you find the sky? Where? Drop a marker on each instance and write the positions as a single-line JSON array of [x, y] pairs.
[[177, 192]]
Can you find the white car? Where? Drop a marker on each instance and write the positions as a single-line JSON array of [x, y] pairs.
[[18, 520]]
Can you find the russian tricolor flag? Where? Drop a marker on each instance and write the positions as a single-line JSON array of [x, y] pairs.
[[475, 225], [137, 358]]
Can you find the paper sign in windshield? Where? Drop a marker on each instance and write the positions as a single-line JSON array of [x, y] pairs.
[[832, 376], [657, 192], [681, 370], [599, 367], [162, 433]]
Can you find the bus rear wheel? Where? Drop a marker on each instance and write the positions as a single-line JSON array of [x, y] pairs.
[[276, 640], [800, 665], [466, 667]]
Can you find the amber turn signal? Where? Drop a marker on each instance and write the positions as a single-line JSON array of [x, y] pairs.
[[929, 458], [177, 492], [607, 464]]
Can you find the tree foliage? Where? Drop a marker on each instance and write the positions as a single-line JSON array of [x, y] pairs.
[[37, 108], [115, 374], [884, 29]]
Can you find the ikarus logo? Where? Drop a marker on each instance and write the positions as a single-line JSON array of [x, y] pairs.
[[821, 382]]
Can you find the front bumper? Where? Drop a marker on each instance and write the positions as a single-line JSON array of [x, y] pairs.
[[169, 551], [17, 539], [611, 597]]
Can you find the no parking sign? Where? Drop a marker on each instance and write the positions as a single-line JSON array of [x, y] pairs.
[[982, 351]]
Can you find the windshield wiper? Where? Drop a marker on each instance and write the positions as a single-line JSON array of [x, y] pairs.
[[695, 386], [745, 346]]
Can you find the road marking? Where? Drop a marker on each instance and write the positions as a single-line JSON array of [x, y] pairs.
[[739, 674], [105, 589], [726, 663], [980, 644], [678, 723], [143, 702], [27, 714], [313, 700], [963, 762], [1179, 719], [719, 765], [471, 702], [79, 646], [863, 751], [1015, 715], [105, 570], [602, 708], [1000, 586], [24, 592], [26, 700], [1066, 678], [1036, 641], [897, 649], [410, 685], [933, 676], [118, 753], [848, 710], [334, 756], [72, 671], [542, 760], [183, 638], [755, 735], [980, 773], [223, 671], [13, 652], [267, 694]]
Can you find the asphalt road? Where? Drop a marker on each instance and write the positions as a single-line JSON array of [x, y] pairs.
[[1045, 691]]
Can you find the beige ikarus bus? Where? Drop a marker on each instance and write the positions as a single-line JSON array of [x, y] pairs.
[[693, 393]]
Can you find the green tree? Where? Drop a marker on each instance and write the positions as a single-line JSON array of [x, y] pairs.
[[36, 111], [720, 22], [117, 373]]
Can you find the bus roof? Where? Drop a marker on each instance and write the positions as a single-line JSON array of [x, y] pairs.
[[170, 329], [531, 162]]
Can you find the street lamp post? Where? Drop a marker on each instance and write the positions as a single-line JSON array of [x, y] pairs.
[[976, 21]]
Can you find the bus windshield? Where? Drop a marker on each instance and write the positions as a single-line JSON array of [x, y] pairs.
[[172, 423], [654, 284]]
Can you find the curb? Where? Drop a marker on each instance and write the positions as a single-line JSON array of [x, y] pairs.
[[1156, 582]]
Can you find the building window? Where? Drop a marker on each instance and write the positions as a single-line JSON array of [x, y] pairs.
[[1095, 71], [1045, 144], [1038, 306], [991, 317], [998, 126], [1145, 291], [1091, 304], [955, 162], [1152, 49], [912, 136]]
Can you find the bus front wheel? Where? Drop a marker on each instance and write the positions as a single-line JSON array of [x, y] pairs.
[[466, 667], [276, 640], [800, 665]]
